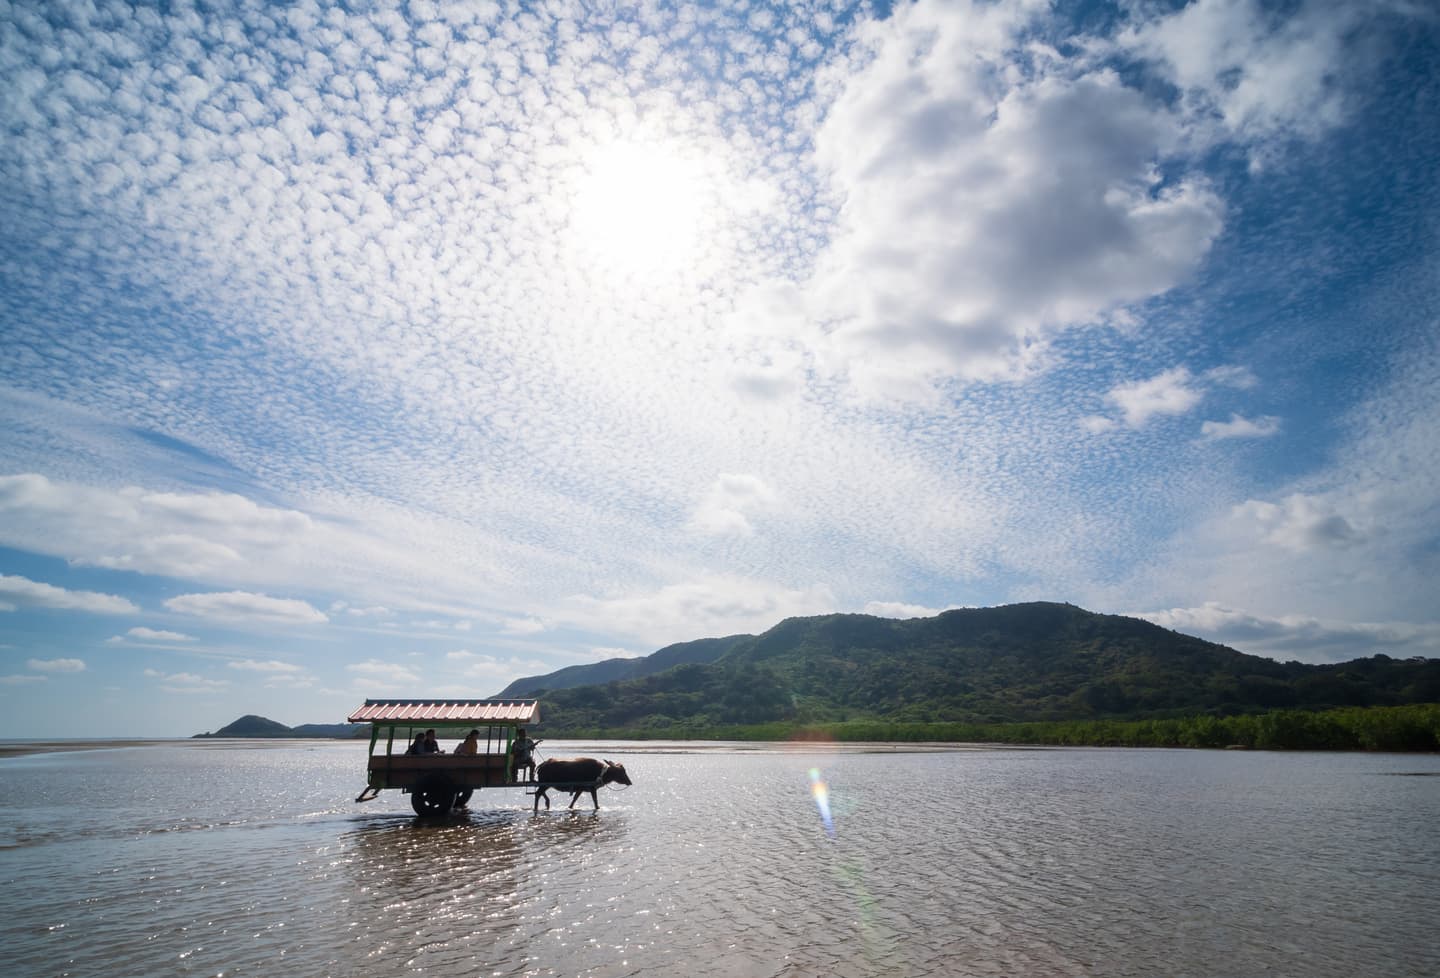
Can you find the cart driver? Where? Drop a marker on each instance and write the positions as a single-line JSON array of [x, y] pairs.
[[522, 755]]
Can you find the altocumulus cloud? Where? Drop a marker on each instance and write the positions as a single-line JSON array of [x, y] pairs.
[[358, 226]]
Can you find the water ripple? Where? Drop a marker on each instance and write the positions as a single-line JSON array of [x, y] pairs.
[[718, 865]]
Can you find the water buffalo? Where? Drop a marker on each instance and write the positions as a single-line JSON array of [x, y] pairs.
[[576, 775]]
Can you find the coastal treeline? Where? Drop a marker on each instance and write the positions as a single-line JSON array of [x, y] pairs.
[[1377, 728]]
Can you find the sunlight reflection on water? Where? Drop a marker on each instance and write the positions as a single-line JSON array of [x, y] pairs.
[[720, 863]]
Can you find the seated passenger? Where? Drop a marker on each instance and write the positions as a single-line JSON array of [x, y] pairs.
[[470, 745], [419, 746], [432, 746], [522, 755]]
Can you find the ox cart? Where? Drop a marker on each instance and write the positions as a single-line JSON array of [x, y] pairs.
[[441, 781]]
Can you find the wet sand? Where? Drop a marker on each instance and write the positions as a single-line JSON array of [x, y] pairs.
[[19, 748]]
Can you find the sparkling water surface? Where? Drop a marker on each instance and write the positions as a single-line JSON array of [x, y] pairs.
[[228, 858]]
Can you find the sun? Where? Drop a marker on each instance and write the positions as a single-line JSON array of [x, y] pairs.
[[639, 209]]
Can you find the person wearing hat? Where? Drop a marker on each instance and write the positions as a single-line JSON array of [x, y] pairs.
[[522, 755]]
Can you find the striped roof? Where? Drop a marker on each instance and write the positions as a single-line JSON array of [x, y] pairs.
[[448, 711]]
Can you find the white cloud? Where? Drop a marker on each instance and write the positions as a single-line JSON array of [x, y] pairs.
[[1302, 522], [186, 683], [56, 665], [21, 592], [603, 652], [20, 679], [900, 609], [1238, 427], [990, 200], [1175, 392], [375, 611], [387, 672], [717, 605], [1168, 393], [268, 666], [445, 409], [1300, 637], [1262, 74], [179, 534], [239, 606], [522, 626], [158, 635], [730, 502], [1232, 375]]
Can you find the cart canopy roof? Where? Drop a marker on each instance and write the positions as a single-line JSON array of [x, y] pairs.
[[449, 712]]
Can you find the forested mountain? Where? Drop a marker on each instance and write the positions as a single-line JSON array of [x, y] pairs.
[[1038, 661], [252, 726], [613, 670]]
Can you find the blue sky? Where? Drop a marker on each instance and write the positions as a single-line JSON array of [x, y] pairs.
[[407, 349]]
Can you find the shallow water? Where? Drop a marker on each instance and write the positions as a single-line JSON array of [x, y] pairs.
[[210, 859]]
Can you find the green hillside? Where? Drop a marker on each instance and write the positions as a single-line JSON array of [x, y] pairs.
[[613, 670], [1016, 663], [252, 726]]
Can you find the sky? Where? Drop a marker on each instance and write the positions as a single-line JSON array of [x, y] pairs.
[[406, 349]]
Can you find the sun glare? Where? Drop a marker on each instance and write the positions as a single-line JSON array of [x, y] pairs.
[[639, 209]]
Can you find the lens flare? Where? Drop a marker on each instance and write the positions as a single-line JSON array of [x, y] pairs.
[[821, 791]]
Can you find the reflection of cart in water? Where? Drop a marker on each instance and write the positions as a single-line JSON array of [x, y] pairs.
[[437, 783]]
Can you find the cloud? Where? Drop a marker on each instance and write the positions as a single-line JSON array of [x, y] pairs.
[[178, 534], [604, 652], [186, 683], [1302, 522], [56, 665], [239, 606], [1261, 74], [359, 355], [1168, 393], [1300, 637], [375, 611], [991, 199], [1175, 392], [20, 679], [21, 592], [157, 635], [376, 673], [1238, 427], [270, 666], [717, 605], [729, 504], [899, 609], [522, 626], [494, 672]]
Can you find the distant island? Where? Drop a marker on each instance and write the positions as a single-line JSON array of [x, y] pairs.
[[1038, 672], [253, 726]]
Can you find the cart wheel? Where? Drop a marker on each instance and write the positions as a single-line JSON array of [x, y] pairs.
[[433, 796], [463, 797]]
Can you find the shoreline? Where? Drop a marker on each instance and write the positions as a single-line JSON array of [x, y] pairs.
[[28, 748], [23, 748]]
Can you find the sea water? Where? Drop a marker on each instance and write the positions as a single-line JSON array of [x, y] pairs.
[[234, 858]]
